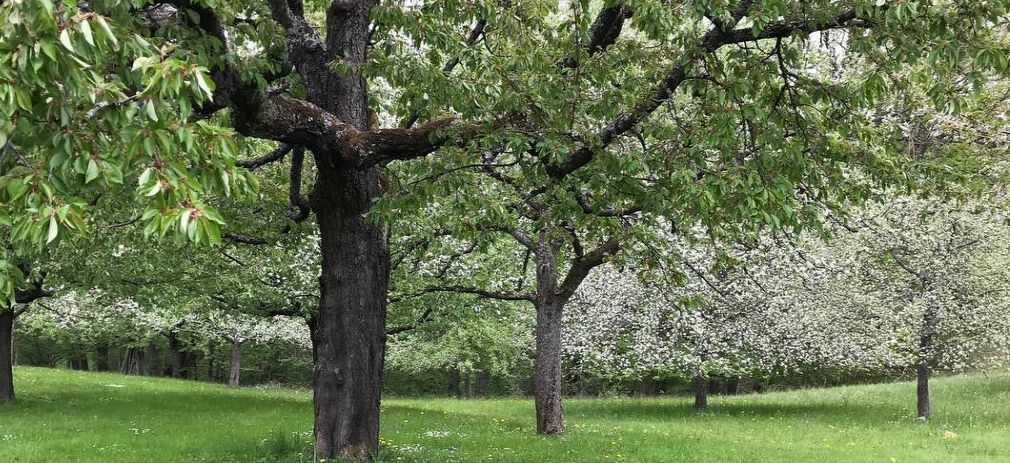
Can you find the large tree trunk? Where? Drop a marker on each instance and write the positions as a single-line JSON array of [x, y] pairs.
[[699, 384], [6, 356], [547, 370], [547, 374], [350, 332], [235, 370], [350, 327]]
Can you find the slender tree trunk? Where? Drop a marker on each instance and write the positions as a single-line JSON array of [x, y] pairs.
[[150, 355], [6, 356], [211, 364], [102, 357], [454, 378], [922, 390], [483, 383], [124, 365], [236, 364], [468, 385], [14, 342], [350, 332], [176, 356], [78, 362], [699, 384], [929, 321]]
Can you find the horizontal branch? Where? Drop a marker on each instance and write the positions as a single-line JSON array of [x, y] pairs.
[[244, 239], [474, 291], [274, 155], [424, 318]]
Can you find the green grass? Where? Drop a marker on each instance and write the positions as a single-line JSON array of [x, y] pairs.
[[66, 416]]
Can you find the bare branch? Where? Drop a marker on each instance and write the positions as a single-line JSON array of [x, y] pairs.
[[275, 155], [244, 239]]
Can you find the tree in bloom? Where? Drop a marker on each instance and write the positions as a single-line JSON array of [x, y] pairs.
[[910, 284]]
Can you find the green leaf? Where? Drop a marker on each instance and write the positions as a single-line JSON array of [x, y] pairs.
[[92, 172], [202, 82], [184, 218], [154, 190], [86, 29], [54, 229], [107, 30], [151, 112], [65, 40], [145, 176]]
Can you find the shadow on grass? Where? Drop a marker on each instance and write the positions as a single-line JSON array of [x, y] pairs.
[[659, 410]]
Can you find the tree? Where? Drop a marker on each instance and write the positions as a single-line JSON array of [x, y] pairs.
[[280, 79], [756, 129]]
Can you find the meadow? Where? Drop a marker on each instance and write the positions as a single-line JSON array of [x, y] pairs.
[[71, 416]]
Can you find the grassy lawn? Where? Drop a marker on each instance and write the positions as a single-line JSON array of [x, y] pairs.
[[66, 416]]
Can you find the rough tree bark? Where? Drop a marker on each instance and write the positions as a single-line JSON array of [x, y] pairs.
[[235, 368], [6, 356], [547, 370]]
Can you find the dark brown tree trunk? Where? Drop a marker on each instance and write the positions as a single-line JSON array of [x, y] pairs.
[[929, 322], [235, 369], [468, 385], [102, 357], [6, 356], [922, 391], [176, 355], [483, 383], [350, 332], [150, 354], [78, 362], [547, 373], [699, 386], [547, 368], [454, 379]]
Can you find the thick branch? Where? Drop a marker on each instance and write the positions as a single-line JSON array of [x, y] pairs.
[[275, 155], [243, 239], [581, 267], [299, 202], [710, 42], [476, 292], [602, 33]]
